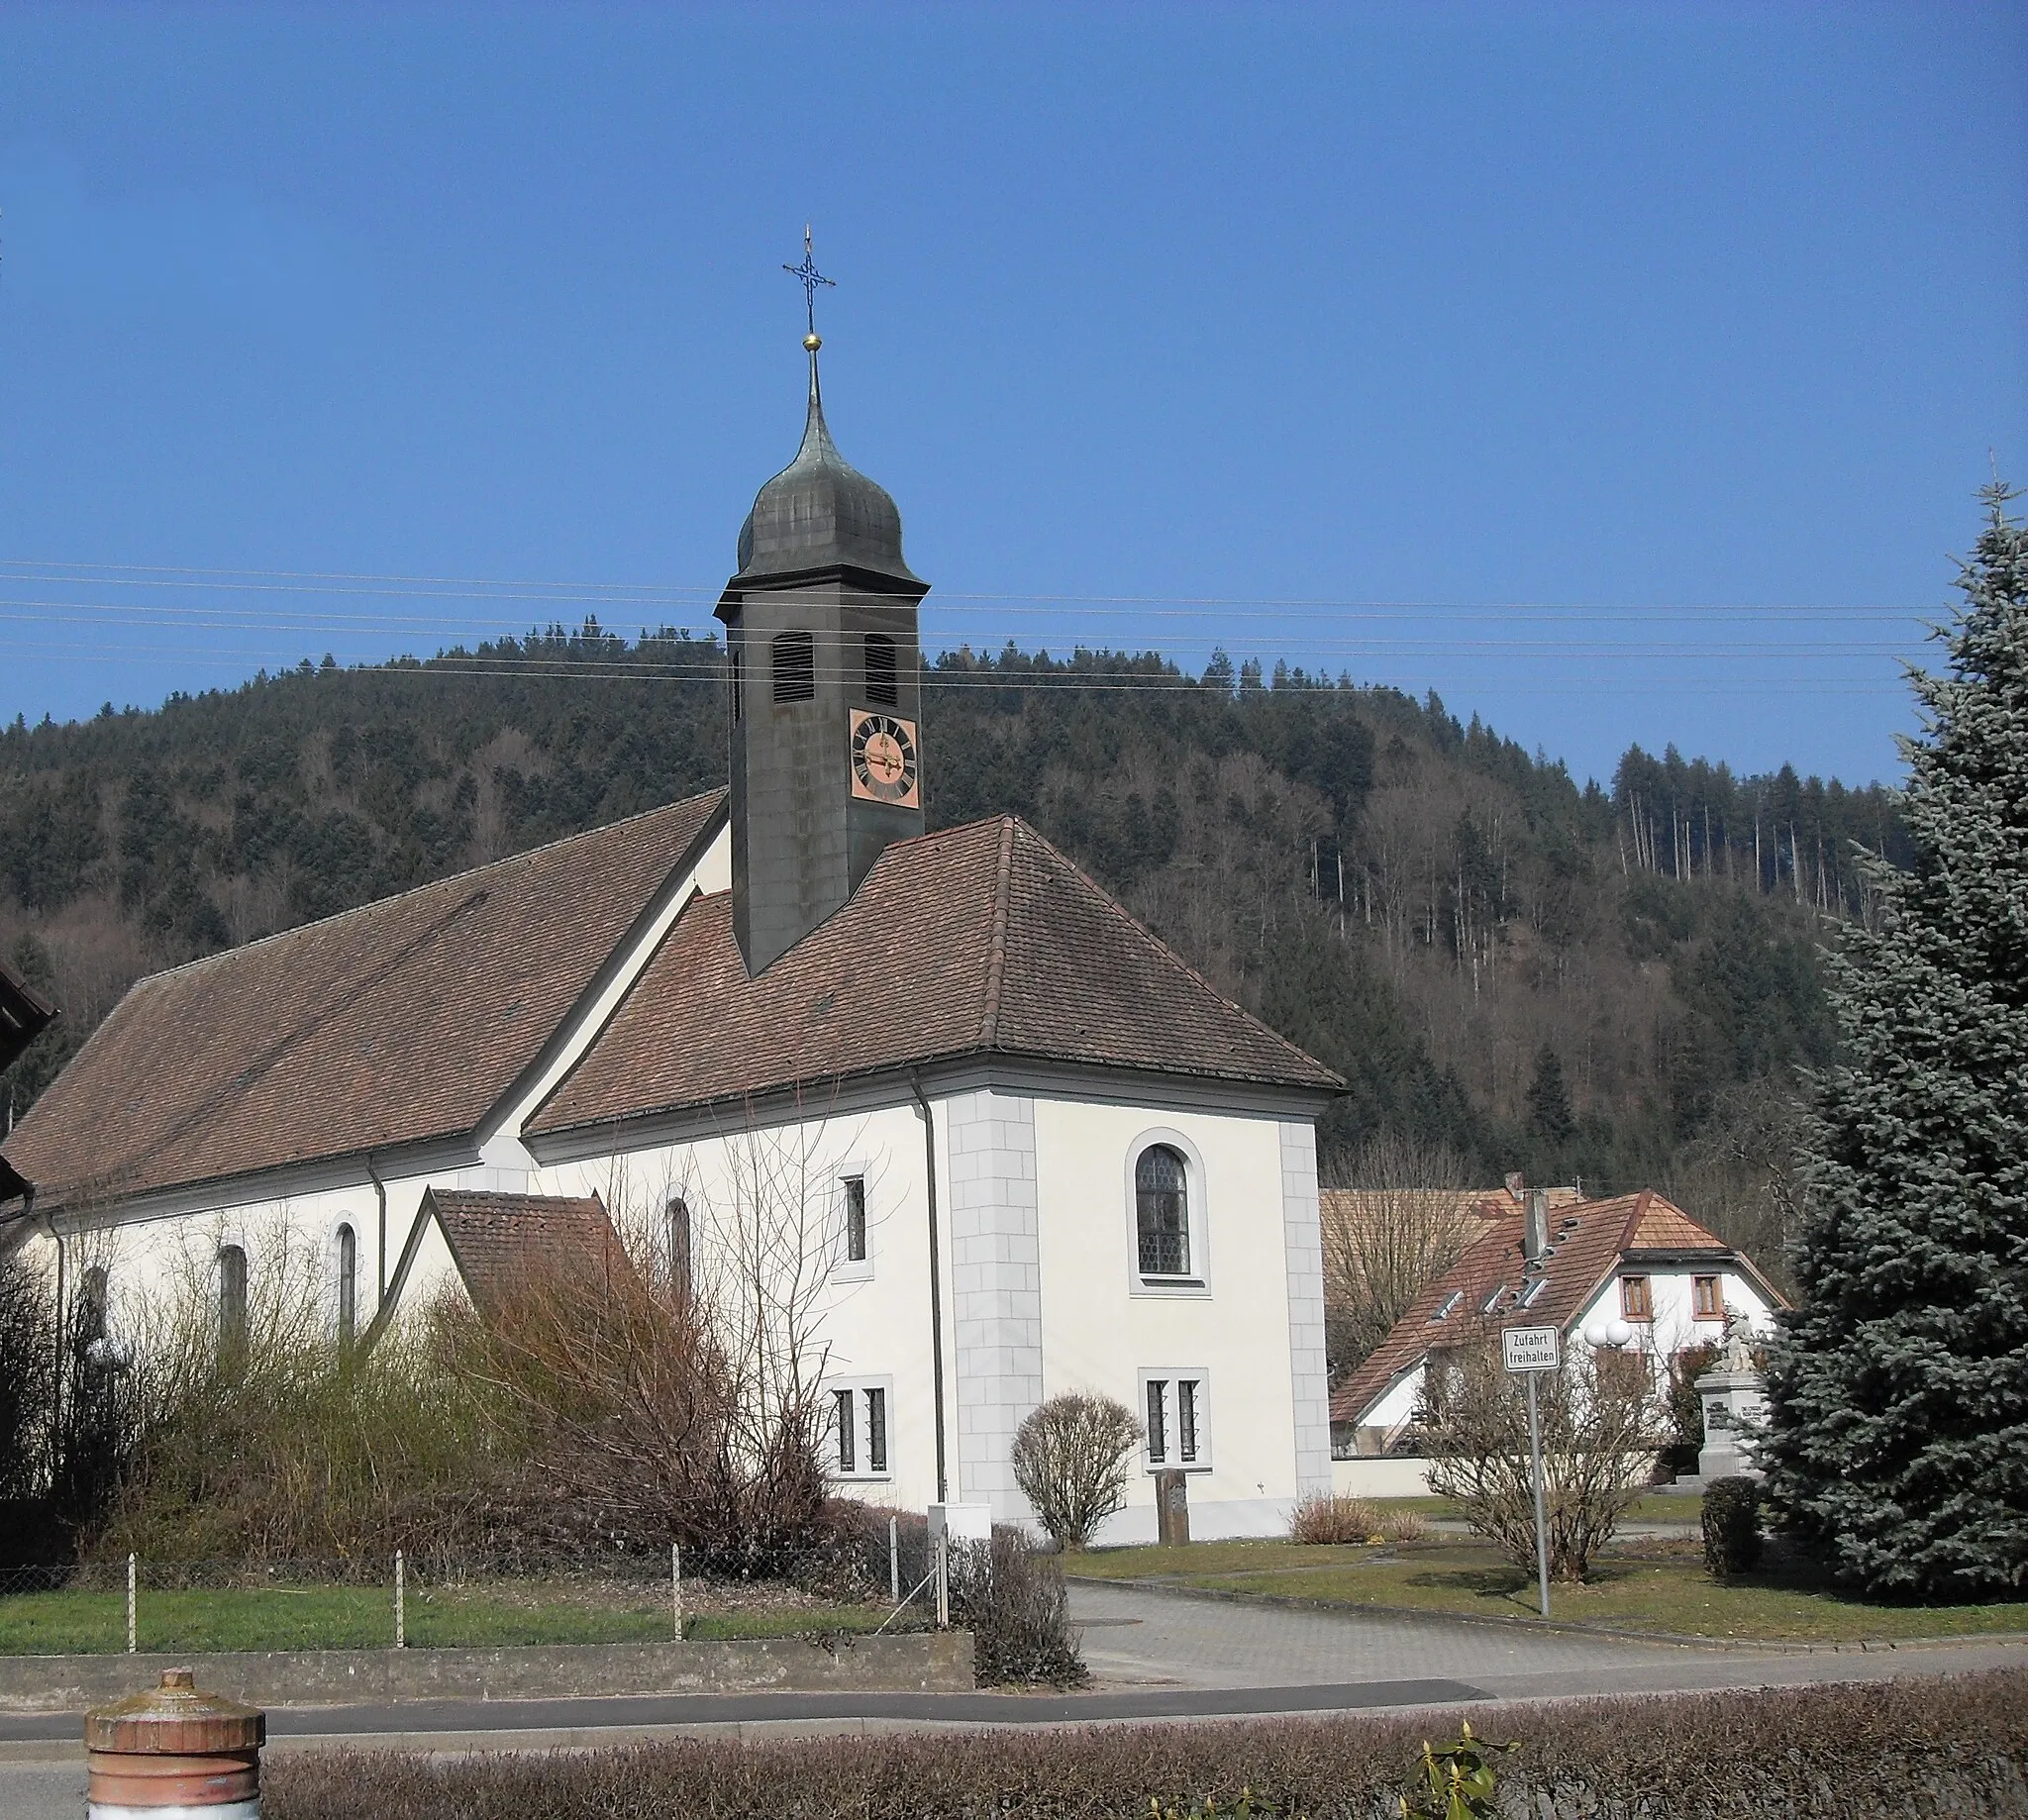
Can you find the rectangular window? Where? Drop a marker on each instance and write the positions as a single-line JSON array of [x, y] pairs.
[[1175, 1401], [876, 1430], [1705, 1298], [847, 1451], [855, 1219], [1186, 1420], [1636, 1301], [680, 1246], [1158, 1421]]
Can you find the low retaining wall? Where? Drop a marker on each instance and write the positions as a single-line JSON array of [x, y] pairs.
[[1380, 1476], [934, 1662]]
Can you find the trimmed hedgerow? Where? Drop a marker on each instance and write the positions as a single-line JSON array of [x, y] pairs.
[[1732, 1526], [1902, 1747]]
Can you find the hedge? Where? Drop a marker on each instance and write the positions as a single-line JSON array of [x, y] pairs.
[[1911, 1747]]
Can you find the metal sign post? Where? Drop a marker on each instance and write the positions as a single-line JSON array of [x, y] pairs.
[[1530, 1350]]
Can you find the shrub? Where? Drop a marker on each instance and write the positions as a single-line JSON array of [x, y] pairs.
[[1732, 1526], [1403, 1526], [1069, 1460], [1014, 1602], [1321, 1517], [1892, 1747], [1600, 1429]]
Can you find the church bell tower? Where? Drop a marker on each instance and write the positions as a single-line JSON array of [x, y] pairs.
[[825, 661]]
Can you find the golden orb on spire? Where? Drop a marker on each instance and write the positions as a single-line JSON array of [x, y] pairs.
[[813, 340]]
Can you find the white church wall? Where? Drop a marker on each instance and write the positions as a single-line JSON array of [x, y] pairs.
[[1105, 1326]]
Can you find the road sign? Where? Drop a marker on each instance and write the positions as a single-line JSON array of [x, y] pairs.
[[1531, 1348]]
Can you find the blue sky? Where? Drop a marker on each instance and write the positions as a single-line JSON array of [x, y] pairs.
[[1621, 373]]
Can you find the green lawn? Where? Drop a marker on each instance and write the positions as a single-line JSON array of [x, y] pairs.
[[1655, 1588], [362, 1618]]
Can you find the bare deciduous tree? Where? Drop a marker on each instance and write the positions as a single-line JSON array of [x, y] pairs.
[[1069, 1460], [1399, 1219], [1602, 1424]]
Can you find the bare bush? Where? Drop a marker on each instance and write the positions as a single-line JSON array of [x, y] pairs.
[[1018, 1610], [1320, 1518], [1601, 1427], [1071, 1459]]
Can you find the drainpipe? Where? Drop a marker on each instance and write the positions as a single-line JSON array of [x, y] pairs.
[[380, 1236], [915, 1087]]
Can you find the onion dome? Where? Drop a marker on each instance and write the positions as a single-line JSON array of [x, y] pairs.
[[820, 512]]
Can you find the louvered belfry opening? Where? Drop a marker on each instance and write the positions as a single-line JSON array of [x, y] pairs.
[[795, 666], [882, 687]]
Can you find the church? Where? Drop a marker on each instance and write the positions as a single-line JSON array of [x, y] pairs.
[[1004, 1142]]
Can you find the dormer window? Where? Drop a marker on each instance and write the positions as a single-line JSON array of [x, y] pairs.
[[881, 684], [1493, 1300], [795, 666], [1449, 1305]]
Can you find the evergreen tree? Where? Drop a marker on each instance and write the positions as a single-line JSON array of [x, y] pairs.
[[1899, 1425], [1549, 1101]]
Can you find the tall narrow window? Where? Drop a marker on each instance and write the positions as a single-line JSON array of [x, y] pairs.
[[1706, 1301], [1636, 1302], [680, 1246], [855, 1219], [1186, 1420], [232, 1298], [347, 1292], [1158, 1421], [739, 703], [880, 670], [847, 1454], [876, 1430], [88, 1313], [795, 666], [1162, 1212]]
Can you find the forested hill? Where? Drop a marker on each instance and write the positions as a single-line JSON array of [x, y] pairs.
[[1618, 986]]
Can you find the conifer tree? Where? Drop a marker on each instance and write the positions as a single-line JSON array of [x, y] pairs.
[[1898, 1420]]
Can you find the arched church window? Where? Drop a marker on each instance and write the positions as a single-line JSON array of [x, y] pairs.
[[1162, 1211], [348, 1287], [795, 666], [881, 683], [232, 1298]]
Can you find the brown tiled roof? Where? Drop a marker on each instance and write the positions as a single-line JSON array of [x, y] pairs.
[[1587, 1241], [978, 940], [500, 1242], [1353, 1206], [24, 1014], [396, 1023]]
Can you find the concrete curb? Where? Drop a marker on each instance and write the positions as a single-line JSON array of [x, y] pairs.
[[1483, 1620], [834, 1663]]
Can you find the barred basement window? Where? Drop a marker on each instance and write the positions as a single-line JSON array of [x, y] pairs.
[[848, 1461], [876, 1430], [795, 666], [1177, 1399], [861, 1433], [880, 669], [1186, 1420], [1158, 1421]]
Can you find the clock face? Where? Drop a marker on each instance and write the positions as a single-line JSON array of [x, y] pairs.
[[884, 765]]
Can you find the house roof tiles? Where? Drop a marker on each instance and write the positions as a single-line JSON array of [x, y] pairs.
[[400, 1022], [1589, 1239], [502, 1242], [978, 940]]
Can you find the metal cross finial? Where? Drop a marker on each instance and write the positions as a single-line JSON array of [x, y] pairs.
[[811, 277]]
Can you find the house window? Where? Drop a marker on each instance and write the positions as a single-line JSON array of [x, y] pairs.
[[880, 669], [348, 1287], [855, 1219], [232, 1298], [795, 666], [680, 1246], [860, 1428], [1637, 1300], [1179, 1432], [1707, 1300], [1162, 1212]]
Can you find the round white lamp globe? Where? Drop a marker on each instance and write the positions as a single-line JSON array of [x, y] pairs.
[[1618, 1333], [1595, 1334]]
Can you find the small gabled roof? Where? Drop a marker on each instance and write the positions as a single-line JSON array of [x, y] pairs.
[[501, 1243], [980, 940], [24, 1014], [1588, 1241], [404, 1021]]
